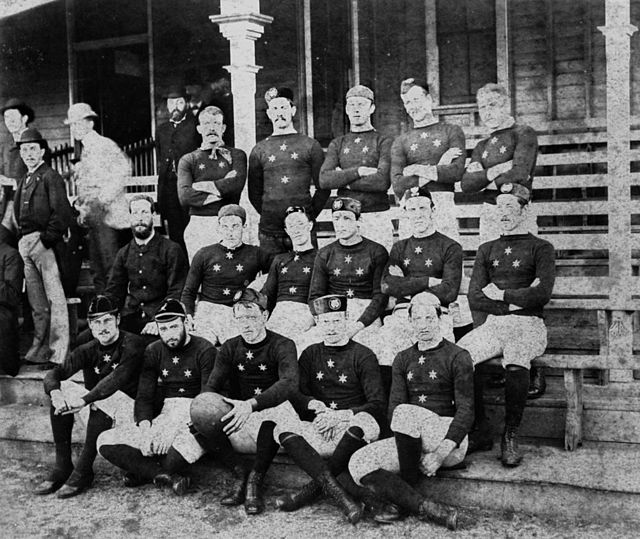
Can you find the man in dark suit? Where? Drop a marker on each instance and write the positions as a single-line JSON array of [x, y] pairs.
[[174, 138]]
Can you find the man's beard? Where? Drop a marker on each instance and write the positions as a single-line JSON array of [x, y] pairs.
[[177, 114], [180, 343], [142, 234]]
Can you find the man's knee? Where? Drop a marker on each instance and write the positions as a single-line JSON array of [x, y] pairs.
[[407, 419], [369, 426]]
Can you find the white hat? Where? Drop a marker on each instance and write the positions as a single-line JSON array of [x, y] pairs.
[[79, 111]]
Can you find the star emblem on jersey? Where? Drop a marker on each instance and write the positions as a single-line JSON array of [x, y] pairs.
[[516, 263], [409, 375], [294, 155], [114, 365], [262, 367], [249, 354], [221, 164], [496, 263], [494, 140], [346, 151], [331, 363], [216, 267], [333, 405], [284, 179], [424, 135], [296, 258], [229, 255], [272, 158], [508, 250], [365, 149], [181, 390], [226, 292], [349, 293], [342, 378], [428, 262], [503, 149], [421, 360], [283, 147], [175, 360], [422, 398], [406, 261], [284, 270], [257, 391], [306, 269], [347, 259], [413, 147], [165, 372], [106, 358], [336, 272], [240, 367], [437, 143], [485, 154], [357, 140], [418, 250], [292, 290], [187, 373], [433, 375], [359, 271], [96, 370], [239, 267], [201, 166], [319, 375]]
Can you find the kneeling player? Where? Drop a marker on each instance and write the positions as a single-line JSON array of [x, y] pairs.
[[175, 368], [431, 406]]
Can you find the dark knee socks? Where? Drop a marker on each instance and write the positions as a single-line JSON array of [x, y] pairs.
[[351, 441], [62, 426], [515, 394], [174, 462], [131, 460], [304, 455], [409, 454], [479, 379], [97, 424], [394, 489], [267, 447]]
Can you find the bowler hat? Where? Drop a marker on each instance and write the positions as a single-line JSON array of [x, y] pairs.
[[79, 111], [31, 135], [175, 91], [21, 106]]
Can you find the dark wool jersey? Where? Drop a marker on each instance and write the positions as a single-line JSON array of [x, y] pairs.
[[440, 380], [436, 256], [340, 168], [207, 165], [142, 276], [106, 369], [266, 371], [172, 372], [282, 169], [518, 143], [342, 377], [513, 262], [221, 272], [425, 146], [353, 271], [289, 277]]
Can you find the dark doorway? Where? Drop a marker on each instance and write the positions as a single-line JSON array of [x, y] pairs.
[[115, 82]]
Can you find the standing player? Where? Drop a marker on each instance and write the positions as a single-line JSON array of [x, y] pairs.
[[282, 170], [357, 164], [512, 281]]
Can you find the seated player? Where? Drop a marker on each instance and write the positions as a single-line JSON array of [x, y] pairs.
[[287, 285], [431, 410], [512, 281], [260, 368], [341, 403], [160, 446], [219, 271], [111, 365], [351, 266], [427, 261]]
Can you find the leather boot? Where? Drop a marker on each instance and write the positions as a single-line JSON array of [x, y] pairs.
[[511, 456], [438, 513], [307, 494], [253, 502], [537, 383], [480, 440], [331, 487], [178, 483], [236, 494]]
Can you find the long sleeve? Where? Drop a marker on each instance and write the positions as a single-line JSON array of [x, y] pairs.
[[11, 282], [399, 393], [378, 298], [533, 297], [320, 196], [330, 175], [221, 370], [381, 180], [270, 288], [206, 362], [319, 285], [447, 290], [524, 157], [192, 283], [73, 363], [231, 188], [463, 389], [255, 180], [472, 182], [60, 215], [368, 372], [189, 197], [453, 172], [399, 181], [147, 387], [118, 282], [302, 397], [177, 271], [479, 279], [281, 390]]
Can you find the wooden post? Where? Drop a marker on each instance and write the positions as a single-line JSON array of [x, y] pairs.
[[617, 32], [573, 424], [432, 59], [241, 22]]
